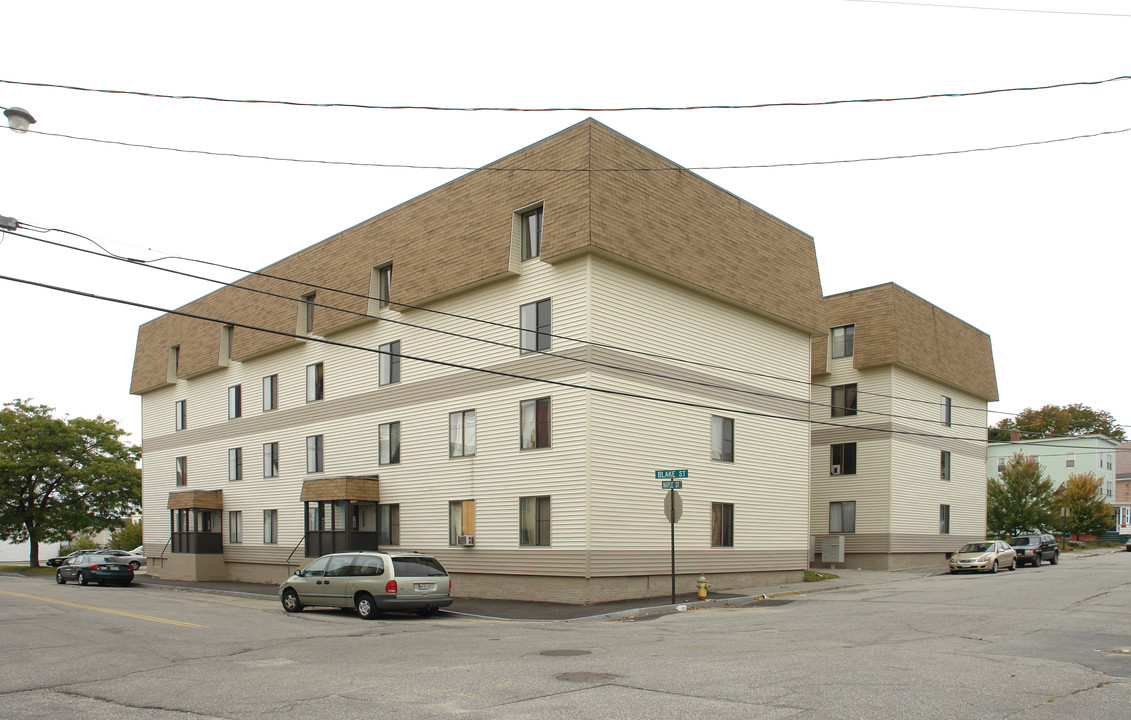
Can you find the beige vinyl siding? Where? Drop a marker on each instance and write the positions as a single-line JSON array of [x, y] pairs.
[[869, 488], [917, 490], [632, 437], [426, 478]]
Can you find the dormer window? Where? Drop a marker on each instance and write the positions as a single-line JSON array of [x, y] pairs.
[[531, 223], [844, 338]]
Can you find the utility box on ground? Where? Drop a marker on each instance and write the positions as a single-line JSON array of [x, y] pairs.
[[832, 549]]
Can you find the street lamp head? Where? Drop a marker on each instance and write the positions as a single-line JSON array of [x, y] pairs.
[[18, 119]]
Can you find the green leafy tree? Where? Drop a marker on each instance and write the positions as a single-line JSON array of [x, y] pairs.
[[1088, 512], [1076, 419], [127, 537], [1020, 499], [59, 477]]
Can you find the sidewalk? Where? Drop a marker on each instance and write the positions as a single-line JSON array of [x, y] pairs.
[[534, 611]]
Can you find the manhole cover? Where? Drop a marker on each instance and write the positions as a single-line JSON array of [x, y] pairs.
[[587, 677], [563, 653]]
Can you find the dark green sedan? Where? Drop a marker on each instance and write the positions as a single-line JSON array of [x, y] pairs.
[[101, 569]]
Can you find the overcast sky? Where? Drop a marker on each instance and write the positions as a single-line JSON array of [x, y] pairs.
[[1027, 244]]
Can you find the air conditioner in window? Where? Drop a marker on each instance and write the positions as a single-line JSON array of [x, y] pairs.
[[836, 469], [465, 540]]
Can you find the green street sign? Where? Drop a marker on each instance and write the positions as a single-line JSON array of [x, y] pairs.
[[671, 474], [671, 485]]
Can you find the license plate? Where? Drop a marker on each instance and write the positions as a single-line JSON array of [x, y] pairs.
[[425, 587], [115, 567]]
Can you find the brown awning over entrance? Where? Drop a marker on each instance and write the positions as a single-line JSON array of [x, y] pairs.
[[198, 499], [352, 487]]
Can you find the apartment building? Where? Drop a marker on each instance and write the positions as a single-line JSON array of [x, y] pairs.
[[493, 372], [899, 430], [1061, 457]]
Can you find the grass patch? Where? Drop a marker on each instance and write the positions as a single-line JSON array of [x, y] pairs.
[[25, 569], [814, 576]]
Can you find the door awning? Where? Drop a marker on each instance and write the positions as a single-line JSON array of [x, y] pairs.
[[196, 499], [350, 487]]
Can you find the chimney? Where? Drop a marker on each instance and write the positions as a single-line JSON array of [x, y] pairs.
[[1014, 436]]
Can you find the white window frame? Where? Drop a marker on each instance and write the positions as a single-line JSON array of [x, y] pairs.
[[535, 326], [844, 512], [315, 454], [461, 434], [180, 415], [235, 527], [722, 439], [845, 345], [389, 443], [534, 521], [530, 233], [270, 527], [235, 464], [529, 437], [389, 365], [315, 382], [235, 402], [271, 459]]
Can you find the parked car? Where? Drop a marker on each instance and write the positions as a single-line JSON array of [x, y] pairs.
[[101, 569], [57, 561], [985, 556], [1032, 549], [371, 582], [135, 560]]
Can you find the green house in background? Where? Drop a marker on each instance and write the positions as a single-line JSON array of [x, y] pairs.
[[1061, 457]]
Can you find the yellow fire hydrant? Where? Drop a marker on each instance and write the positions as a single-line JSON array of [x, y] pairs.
[[701, 587]]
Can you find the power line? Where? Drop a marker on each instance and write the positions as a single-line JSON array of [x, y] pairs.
[[492, 323], [489, 168], [488, 371], [655, 108], [995, 9], [587, 361]]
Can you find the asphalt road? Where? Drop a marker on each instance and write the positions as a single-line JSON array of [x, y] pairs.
[[1052, 642]]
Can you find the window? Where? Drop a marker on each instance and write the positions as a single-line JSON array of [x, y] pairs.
[[227, 332], [180, 415], [461, 519], [945, 405], [306, 313], [182, 470], [944, 519], [389, 443], [314, 452], [531, 233], [461, 434], [944, 466], [534, 520], [1000, 464], [270, 393], [389, 524], [390, 371], [174, 365], [842, 517], [844, 340], [843, 458], [315, 382], [722, 438], [235, 526], [235, 402], [722, 525], [270, 527], [384, 285], [535, 422], [235, 464], [534, 320], [844, 400], [1070, 460], [271, 459]]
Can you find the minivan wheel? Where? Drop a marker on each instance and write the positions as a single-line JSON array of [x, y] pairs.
[[1055, 558], [366, 608], [291, 603]]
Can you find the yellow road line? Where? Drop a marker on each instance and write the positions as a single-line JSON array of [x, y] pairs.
[[106, 610]]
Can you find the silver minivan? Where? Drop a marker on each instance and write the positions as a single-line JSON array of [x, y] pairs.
[[372, 582]]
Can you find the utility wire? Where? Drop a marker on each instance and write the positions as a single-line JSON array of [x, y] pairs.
[[509, 346], [490, 168], [751, 106], [488, 371], [995, 9], [506, 326]]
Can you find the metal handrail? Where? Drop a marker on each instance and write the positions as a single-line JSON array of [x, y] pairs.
[[300, 542]]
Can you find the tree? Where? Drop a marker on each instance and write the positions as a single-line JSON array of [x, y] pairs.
[[1020, 500], [1088, 512], [127, 537], [62, 476], [1076, 419]]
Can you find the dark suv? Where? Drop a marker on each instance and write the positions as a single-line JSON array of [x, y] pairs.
[[1032, 549]]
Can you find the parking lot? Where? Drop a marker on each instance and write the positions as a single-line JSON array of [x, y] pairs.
[[1047, 642]]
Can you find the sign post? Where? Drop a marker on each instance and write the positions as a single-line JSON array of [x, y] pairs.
[[672, 480]]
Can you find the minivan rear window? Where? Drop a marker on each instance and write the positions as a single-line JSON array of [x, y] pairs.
[[418, 567]]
